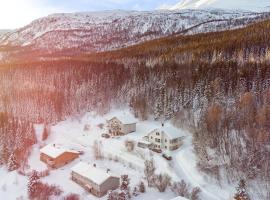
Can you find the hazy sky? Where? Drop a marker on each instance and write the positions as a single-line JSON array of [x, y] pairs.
[[17, 13]]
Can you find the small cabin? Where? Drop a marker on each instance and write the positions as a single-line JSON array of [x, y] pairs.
[[94, 180], [56, 156], [121, 126]]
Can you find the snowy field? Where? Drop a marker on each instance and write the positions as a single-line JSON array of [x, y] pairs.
[[71, 134]]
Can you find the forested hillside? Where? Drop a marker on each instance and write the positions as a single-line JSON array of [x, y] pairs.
[[218, 81]]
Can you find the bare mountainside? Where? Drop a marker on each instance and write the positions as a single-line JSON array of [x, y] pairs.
[[108, 30]]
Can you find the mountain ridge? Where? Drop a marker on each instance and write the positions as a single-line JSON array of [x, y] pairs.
[[109, 30], [254, 5]]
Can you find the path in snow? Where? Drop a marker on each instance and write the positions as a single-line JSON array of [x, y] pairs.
[[185, 164]]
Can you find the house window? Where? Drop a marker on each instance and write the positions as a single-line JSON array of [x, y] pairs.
[[157, 140], [165, 140], [174, 141], [165, 147], [157, 133], [151, 137]]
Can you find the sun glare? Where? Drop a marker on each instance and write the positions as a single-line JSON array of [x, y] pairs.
[[15, 14]]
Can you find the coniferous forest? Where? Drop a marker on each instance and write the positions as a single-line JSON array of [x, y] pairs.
[[217, 83]]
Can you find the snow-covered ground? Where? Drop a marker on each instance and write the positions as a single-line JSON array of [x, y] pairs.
[[71, 134]]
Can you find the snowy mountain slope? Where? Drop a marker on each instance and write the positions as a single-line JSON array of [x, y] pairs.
[[101, 31], [252, 5]]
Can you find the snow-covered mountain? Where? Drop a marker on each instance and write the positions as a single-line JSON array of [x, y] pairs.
[[101, 31], [252, 5]]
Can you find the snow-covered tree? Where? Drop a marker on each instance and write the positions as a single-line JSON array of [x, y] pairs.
[[12, 163], [162, 181], [142, 187], [113, 195], [32, 185], [241, 193], [98, 150], [181, 188], [124, 188], [149, 171], [45, 133]]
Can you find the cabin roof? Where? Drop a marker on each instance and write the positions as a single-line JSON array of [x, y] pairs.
[[94, 174], [55, 151], [170, 131]]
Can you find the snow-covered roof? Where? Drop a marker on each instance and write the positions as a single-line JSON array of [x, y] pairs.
[[55, 151], [171, 131], [124, 116], [144, 142], [179, 198], [94, 174]]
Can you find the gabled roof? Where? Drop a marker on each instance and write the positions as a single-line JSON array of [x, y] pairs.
[[55, 151], [92, 173], [124, 117], [170, 131]]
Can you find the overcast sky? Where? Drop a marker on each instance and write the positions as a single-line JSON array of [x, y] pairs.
[[17, 13]]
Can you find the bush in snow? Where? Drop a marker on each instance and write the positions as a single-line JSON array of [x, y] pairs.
[[72, 197], [129, 144], [149, 172], [241, 193], [98, 150], [101, 125], [162, 181], [135, 192], [181, 189], [142, 187], [195, 193]]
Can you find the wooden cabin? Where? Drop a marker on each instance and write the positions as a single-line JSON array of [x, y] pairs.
[[56, 156]]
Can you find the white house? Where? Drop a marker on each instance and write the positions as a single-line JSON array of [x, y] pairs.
[[95, 180], [166, 137], [121, 125]]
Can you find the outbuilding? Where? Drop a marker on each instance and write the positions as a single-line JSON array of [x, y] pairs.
[[56, 156], [121, 125], [94, 180]]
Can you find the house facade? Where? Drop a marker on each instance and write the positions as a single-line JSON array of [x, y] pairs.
[[166, 138], [94, 180], [120, 126], [56, 156]]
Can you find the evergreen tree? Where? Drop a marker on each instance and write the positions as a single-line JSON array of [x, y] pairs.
[[113, 195], [135, 192], [124, 188], [149, 171], [32, 185], [241, 193], [142, 187], [12, 163], [45, 133]]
